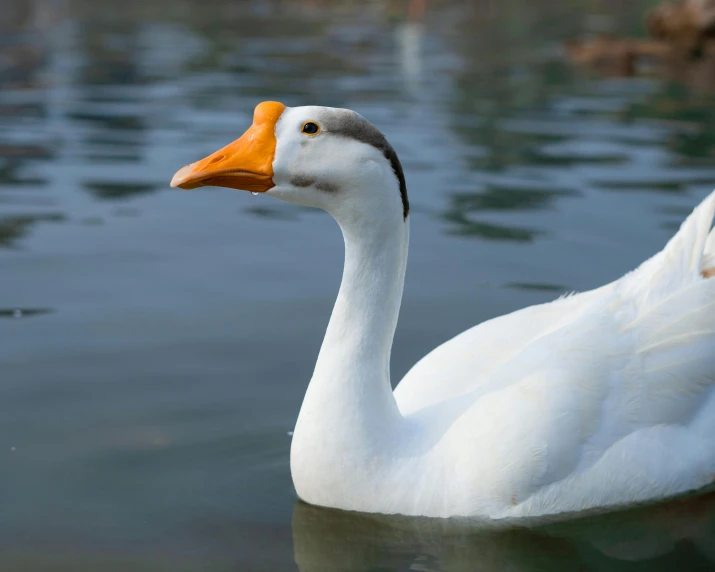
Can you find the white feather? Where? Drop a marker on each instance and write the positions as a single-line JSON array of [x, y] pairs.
[[595, 400], [620, 382]]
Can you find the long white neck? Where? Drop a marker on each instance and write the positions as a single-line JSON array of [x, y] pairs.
[[349, 411]]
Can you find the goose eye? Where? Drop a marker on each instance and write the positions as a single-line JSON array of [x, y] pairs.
[[310, 128]]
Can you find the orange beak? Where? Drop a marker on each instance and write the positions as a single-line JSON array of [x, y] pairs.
[[245, 164]]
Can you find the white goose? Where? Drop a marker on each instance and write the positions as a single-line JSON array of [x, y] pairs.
[[596, 400]]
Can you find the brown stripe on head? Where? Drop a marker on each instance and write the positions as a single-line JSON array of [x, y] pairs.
[[351, 124]]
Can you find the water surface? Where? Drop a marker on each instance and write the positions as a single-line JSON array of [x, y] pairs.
[[155, 345]]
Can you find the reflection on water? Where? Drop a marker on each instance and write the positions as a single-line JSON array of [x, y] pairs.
[[111, 191], [145, 408], [13, 228], [9, 174], [19, 313], [279, 213], [464, 205], [535, 286], [674, 536]]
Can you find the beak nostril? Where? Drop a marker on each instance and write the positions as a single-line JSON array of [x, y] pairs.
[[215, 159]]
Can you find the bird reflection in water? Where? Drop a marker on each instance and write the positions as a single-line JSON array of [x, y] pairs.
[[665, 537]]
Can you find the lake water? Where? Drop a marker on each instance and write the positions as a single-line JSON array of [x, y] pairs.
[[155, 345]]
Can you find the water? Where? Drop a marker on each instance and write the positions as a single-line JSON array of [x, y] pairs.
[[156, 344]]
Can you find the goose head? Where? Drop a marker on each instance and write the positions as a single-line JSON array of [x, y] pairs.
[[324, 157]]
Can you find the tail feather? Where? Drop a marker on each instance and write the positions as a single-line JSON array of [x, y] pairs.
[[709, 256], [686, 250], [674, 327], [687, 257]]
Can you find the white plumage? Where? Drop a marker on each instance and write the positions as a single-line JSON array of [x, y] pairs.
[[602, 398], [596, 400]]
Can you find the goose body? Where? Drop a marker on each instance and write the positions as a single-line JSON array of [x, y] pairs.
[[596, 400]]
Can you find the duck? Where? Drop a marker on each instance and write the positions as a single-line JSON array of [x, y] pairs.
[[594, 401]]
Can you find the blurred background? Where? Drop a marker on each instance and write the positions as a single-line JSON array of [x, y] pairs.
[[155, 344]]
